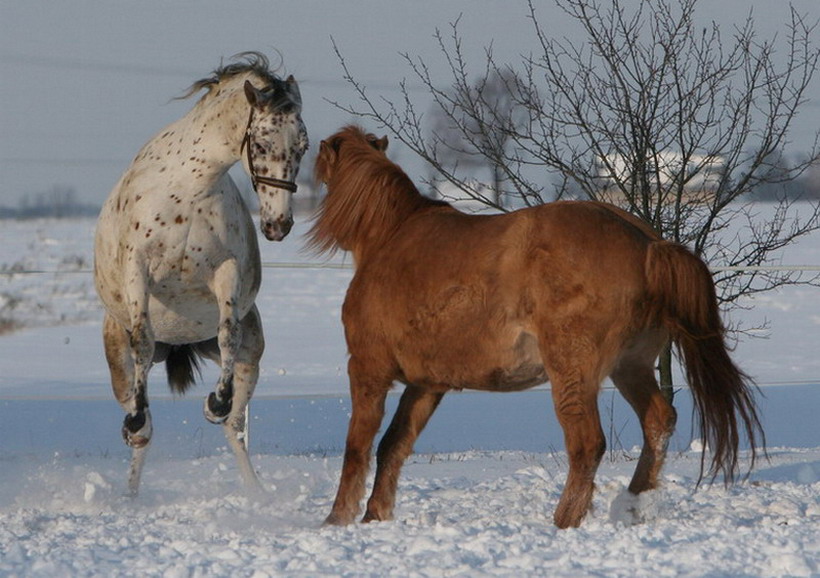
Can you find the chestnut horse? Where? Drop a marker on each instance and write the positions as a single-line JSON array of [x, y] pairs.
[[570, 292]]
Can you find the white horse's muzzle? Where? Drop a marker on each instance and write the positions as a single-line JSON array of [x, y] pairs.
[[276, 229]]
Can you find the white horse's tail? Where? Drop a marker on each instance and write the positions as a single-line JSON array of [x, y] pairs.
[[182, 366]]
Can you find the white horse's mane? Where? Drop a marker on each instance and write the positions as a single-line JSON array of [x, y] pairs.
[[243, 63]]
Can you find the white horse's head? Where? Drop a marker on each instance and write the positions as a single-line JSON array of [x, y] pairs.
[[275, 141]]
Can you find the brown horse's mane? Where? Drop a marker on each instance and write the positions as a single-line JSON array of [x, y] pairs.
[[368, 195]]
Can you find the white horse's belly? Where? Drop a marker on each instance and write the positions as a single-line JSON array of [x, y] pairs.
[[179, 318], [182, 305], [185, 255], [183, 322]]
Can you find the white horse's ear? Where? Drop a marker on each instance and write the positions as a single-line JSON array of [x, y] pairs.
[[293, 89], [253, 95]]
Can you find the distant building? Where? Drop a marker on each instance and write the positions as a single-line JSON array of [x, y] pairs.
[[701, 174], [449, 192]]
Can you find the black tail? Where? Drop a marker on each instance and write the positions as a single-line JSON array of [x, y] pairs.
[[182, 366]]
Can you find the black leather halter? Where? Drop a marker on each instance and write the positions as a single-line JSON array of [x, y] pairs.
[[256, 179]]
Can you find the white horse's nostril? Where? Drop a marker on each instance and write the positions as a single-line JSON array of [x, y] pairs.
[[277, 229], [287, 225]]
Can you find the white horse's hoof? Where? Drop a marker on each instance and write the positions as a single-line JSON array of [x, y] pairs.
[[217, 410], [137, 429]]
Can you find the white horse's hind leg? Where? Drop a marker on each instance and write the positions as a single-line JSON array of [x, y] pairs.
[[245, 378]]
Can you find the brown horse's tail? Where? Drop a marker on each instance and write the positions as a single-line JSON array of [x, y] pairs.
[[182, 367], [682, 293]]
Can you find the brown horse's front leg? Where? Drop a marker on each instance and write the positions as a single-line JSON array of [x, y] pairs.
[[368, 396], [415, 408], [577, 410]]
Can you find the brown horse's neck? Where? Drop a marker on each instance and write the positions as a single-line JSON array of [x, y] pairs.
[[368, 199], [379, 222]]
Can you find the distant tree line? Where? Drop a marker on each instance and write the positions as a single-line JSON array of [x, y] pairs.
[[59, 201]]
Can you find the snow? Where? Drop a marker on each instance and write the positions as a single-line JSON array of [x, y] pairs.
[[475, 500]]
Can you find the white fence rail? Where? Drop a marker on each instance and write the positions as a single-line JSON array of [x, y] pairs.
[[333, 265]]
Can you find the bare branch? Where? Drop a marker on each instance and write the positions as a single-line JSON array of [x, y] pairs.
[[679, 123]]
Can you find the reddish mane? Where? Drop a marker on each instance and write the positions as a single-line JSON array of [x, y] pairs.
[[368, 194]]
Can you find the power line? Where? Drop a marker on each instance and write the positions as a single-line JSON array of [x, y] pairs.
[[57, 63], [64, 162]]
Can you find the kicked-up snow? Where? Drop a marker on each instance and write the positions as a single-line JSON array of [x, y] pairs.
[[470, 513]]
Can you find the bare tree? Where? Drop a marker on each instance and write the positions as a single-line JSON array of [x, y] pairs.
[[675, 122], [466, 142]]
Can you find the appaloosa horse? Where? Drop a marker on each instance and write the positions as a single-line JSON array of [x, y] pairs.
[[176, 259], [572, 292]]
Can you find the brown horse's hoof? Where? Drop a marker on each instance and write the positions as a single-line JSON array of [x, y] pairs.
[[336, 520], [374, 517], [564, 520]]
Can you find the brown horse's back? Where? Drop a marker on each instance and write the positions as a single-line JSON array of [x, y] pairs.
[[507, 281]]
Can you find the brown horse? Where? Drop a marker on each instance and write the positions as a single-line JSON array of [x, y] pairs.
[[572, 292]]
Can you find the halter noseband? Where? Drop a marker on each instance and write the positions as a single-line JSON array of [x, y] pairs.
[[257, 179]]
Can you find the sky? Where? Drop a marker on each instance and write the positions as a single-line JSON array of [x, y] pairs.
[[84, 84]]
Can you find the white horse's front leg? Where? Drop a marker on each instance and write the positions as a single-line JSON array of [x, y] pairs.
[[137, 429], [245, 378], [120, 359], [130, 355], [229, 336]]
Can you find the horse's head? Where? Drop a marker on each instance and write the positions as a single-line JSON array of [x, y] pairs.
[[275, 141], [329, 149]]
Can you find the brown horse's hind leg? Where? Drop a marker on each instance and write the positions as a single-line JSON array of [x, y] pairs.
[[636, 382], [415, 408], [576, 406], [367, 395]]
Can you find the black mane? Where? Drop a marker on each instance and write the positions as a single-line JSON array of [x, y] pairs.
[[244, 62]]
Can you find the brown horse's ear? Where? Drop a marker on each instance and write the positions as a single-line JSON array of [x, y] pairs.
[[327, 151], [253, 95], [380, 144]]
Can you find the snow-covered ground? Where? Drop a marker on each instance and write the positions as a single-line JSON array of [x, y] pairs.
[[475, 500]]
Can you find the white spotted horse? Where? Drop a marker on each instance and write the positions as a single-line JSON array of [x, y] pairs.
[[176, 259]]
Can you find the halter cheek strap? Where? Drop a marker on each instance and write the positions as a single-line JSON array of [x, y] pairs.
[[261, 179]]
